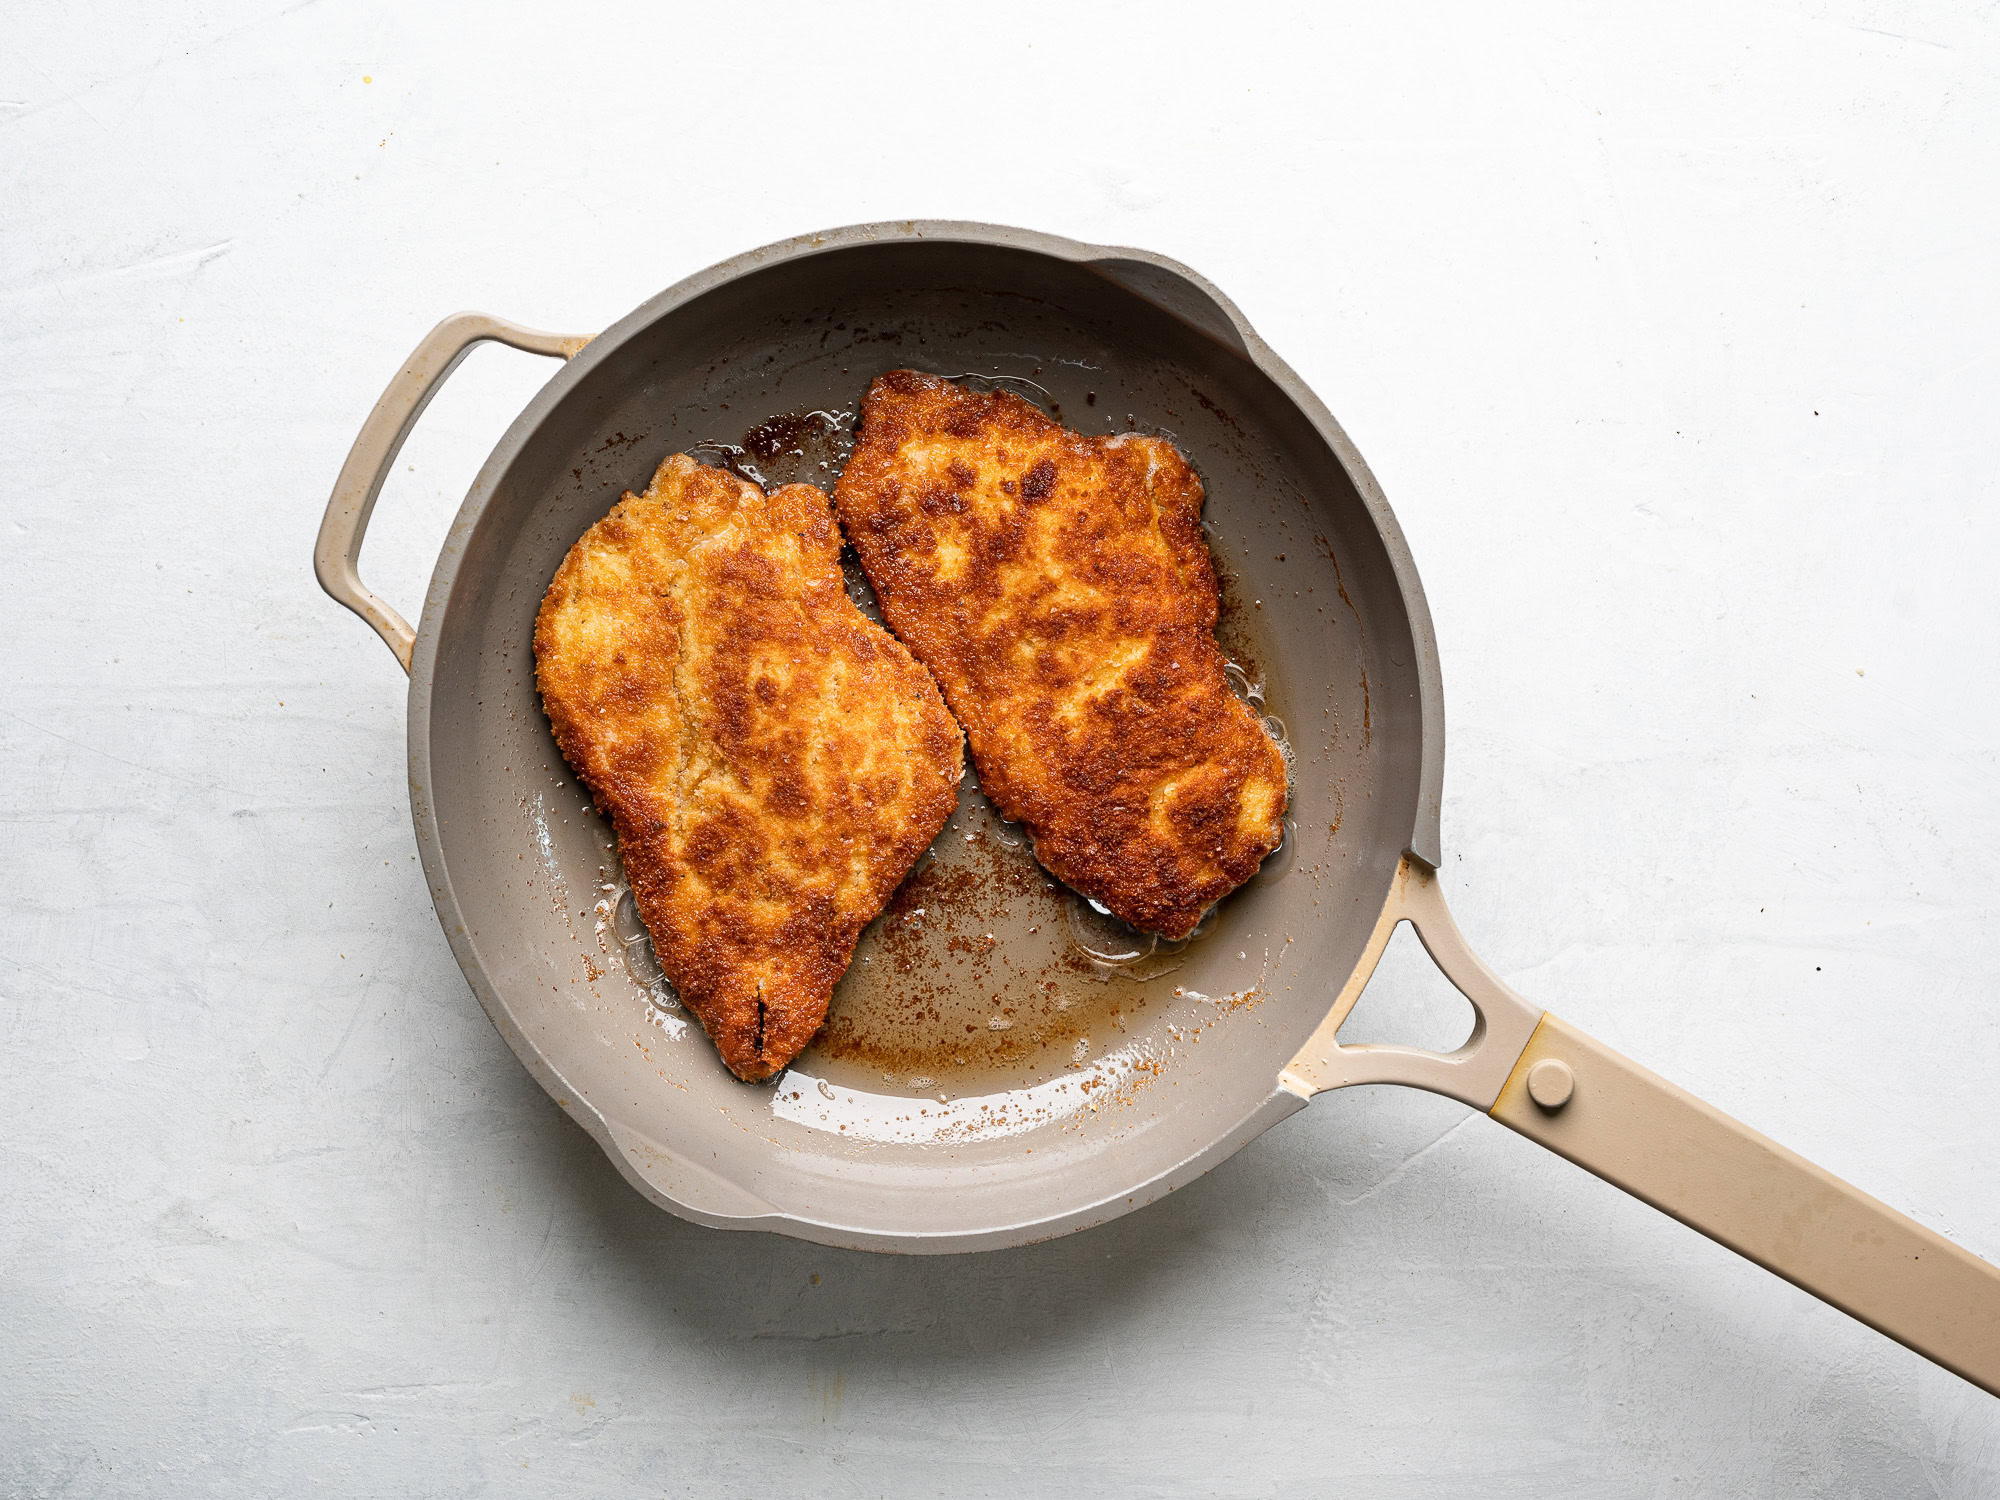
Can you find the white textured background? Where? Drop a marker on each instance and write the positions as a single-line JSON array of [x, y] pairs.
[[1673, 334]]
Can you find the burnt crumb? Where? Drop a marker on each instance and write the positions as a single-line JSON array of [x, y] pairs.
[[1040, 481], [1221, 414]]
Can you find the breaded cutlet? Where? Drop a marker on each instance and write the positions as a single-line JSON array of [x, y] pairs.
[[773, 761], [1059, 589]]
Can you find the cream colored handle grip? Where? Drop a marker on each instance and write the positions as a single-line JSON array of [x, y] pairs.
[[345, 524], [1689, 1159]]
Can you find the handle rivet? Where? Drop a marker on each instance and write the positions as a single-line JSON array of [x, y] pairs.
[[1550, 1083]]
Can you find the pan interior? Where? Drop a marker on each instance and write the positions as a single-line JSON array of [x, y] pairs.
[[995, 1036]]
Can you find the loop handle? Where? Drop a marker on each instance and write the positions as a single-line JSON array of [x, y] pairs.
[[338, 550]]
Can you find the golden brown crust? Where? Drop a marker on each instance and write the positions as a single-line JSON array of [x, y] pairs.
[[772, 760], [1060, 590]]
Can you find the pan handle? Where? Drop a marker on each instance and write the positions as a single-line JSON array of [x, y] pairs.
[[1560, 1088], [338, 549], [1474, 1073], [1688, 1159]]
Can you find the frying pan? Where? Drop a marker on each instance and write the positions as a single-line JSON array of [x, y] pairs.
[[1002, 1065]]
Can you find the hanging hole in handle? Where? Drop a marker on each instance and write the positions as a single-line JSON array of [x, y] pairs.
[[1409, 1002], [442, 456]]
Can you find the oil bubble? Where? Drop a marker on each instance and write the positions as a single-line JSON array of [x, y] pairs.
[[1281, 859], [1115, 948], [625, 923], [643, 964], [1101, 937], [1240, 684]]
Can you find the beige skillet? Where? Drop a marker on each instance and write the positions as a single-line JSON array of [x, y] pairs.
[[1331, 602]]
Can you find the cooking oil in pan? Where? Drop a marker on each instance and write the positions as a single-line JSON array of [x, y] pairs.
[[985, 972], [805, 447]]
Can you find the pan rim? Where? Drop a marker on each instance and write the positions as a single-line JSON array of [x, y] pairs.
[[723, 1204]]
